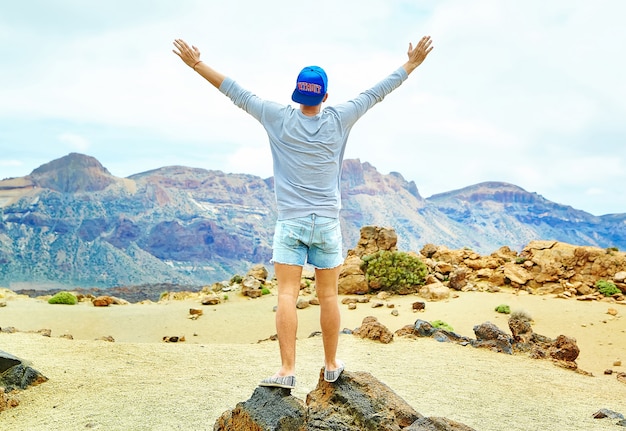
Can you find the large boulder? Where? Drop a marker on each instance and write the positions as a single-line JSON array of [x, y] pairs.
[[357, 401]]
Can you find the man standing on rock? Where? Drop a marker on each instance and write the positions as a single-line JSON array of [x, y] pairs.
[[307, 145]]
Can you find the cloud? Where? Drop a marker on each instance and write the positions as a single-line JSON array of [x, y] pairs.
[[525, 92], [74, 142]]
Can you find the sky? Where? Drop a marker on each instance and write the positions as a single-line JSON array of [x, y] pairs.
[[530, 93]]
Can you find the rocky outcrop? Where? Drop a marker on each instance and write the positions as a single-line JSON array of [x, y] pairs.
[[356, 402], [563, 350], [542, 267]]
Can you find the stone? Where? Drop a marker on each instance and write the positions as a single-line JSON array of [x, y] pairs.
[[490, 336], [620, 277], [7, 402], [521, 329], [302, 304], [15, 374], [267, 409], [374, 330], [251, 286], [606, 413], [357, 401], [458, 279], [102, 301], [437, 424], [259, 272], [612, 311], [196, 312], [564, 349], [418, 306], [211, 299], [434, 291]]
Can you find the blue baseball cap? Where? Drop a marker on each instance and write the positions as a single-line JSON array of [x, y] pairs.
[[311, 86]]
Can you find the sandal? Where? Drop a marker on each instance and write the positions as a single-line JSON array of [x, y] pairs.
[[332, 376], [287, 382]]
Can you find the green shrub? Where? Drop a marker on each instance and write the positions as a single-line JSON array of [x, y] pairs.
[[504, 309], [520, 260], [607, 288], [611, 250], [440, 324], [63, 298], [237, 279], [225, 297], [265, 291], [393, 270]]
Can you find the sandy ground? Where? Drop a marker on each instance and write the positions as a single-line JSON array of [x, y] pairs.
[[141, 383]]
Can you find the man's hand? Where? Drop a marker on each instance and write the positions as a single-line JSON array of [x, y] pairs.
[[190, 55], [417, 55]]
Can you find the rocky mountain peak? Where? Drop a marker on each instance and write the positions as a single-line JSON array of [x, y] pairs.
[[73, 173], [489, 191]]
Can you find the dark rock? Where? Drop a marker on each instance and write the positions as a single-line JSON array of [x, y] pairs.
[[490, 336], [14, 374], [267, 409], [564, 349], [419, 306], [424, 328], [458, 279], [355, 402]]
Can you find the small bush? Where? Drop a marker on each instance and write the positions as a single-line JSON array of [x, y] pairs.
[[237, 279], [504, 309], [520, 260], [607, 288], [225, 297], [265, 291], [440, 324], [611, 250], [63, 298], [393, 270], [521, 315]]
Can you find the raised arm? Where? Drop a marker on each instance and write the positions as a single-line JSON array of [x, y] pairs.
[[417, 55], [191, 57]]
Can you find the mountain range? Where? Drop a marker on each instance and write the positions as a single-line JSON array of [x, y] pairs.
[[71, 223]]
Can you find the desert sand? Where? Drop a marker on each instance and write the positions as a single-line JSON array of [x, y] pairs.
[[139, 382]]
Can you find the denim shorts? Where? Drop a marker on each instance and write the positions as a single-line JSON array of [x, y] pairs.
[[312, 239]]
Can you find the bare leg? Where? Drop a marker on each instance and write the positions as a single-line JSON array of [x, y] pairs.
[[288, 277], [326, 281]]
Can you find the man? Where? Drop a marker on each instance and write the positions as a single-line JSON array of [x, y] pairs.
[[307, 146]]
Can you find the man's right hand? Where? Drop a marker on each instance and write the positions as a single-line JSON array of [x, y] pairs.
[[417, 55]]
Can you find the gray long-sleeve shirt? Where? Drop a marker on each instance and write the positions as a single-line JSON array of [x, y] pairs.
[[307, 152]]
